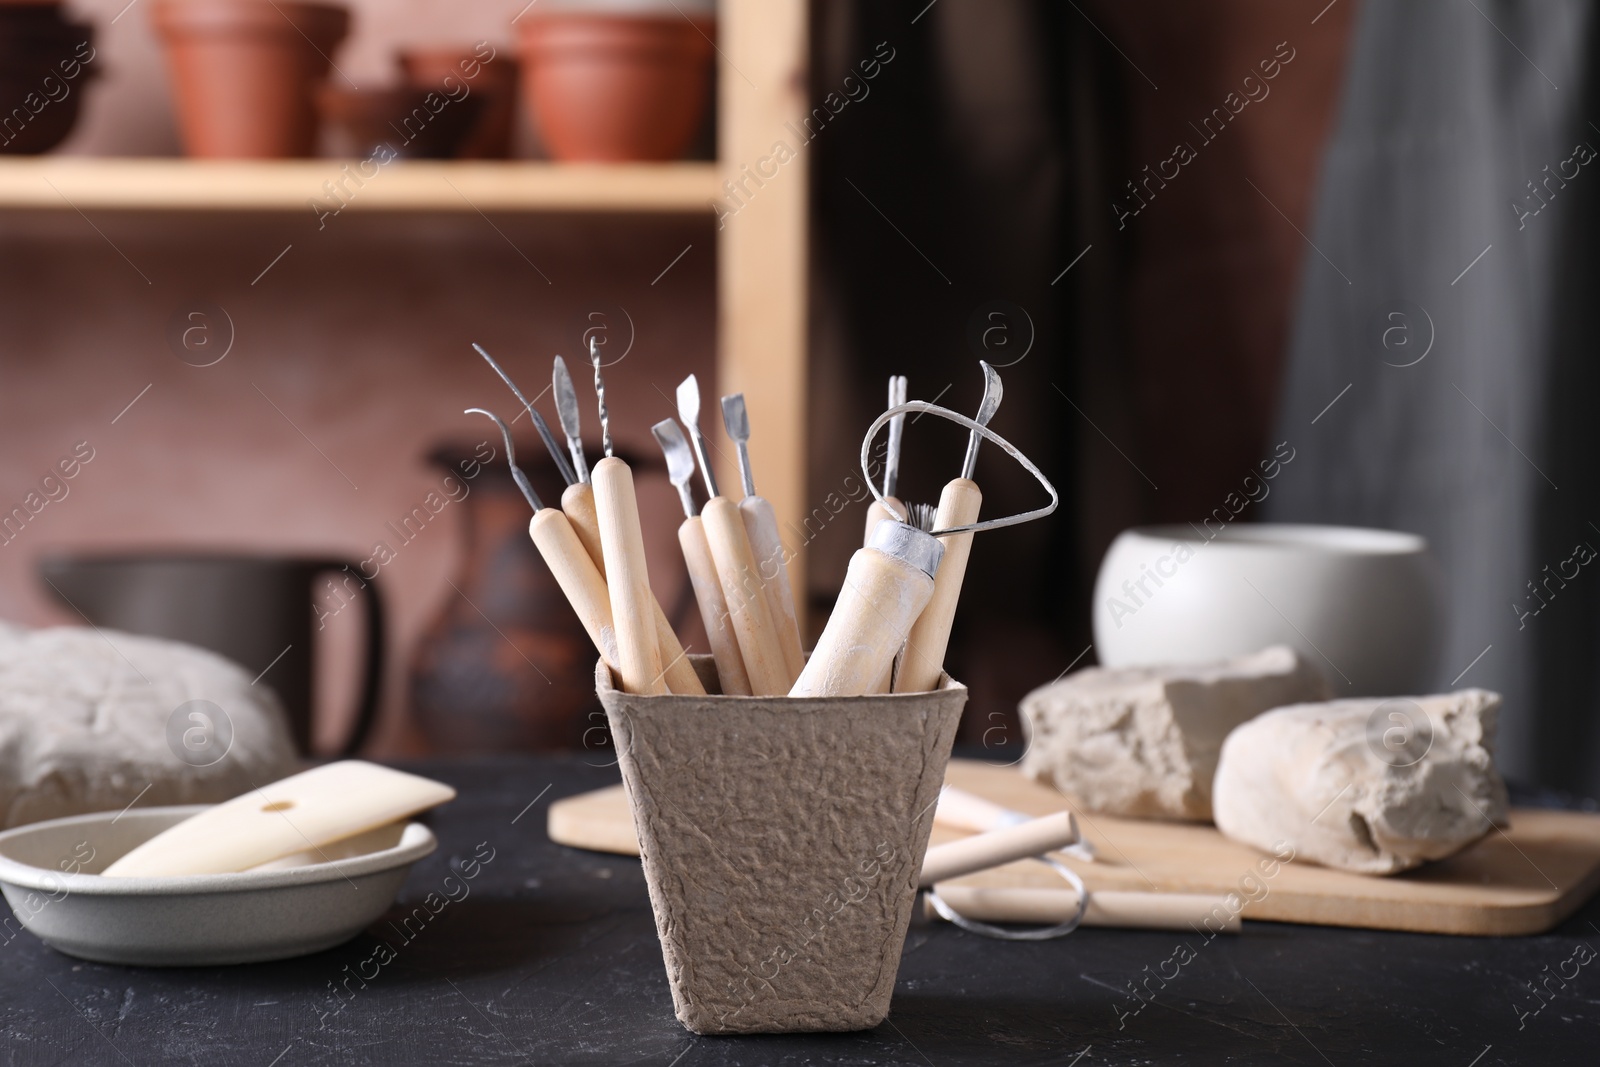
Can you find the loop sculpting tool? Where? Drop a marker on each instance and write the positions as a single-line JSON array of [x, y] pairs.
[[702, 569], [923, 661], [753, 626], [893, 508], [761, 526]]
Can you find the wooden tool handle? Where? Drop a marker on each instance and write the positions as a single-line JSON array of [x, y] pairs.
[[713, 607], [876, 513], [1107, 907], [923, 661], [761, 527], [627, 576], [553, 534], [982, 851], [881, 598], [968, 811], [764, 662], [577, 500]]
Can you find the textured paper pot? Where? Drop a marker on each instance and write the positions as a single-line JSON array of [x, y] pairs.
[[782, 840]]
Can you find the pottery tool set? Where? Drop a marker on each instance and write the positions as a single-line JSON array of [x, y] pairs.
[[900, 594], [789, 781]]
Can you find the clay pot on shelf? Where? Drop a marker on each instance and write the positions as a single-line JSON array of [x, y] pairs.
[[45, 62], [616, 87], [492, 82], [245, 72], [413, 122]]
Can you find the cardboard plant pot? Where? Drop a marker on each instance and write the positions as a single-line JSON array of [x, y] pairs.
[[782, 840], [245, 72]]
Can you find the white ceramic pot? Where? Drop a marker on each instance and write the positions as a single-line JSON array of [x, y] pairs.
[[1364, 605]]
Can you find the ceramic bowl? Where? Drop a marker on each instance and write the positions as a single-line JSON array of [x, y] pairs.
[[49, 875], [1364, 605]]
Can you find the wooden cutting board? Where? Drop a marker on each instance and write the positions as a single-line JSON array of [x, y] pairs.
[[1521, 880]]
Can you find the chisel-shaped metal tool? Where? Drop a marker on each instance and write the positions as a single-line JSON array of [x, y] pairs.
[[876, 512], [571, 423], [761, 526], [757, 633], [702, 569], [959, 503]]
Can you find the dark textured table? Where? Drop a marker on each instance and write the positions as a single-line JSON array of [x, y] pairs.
[[549, 956]]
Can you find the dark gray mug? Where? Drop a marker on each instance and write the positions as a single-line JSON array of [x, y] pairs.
[[251, 609]]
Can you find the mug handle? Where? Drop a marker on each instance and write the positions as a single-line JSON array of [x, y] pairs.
[[372, 672]]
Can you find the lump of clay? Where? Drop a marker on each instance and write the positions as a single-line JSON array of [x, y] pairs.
[[1143, 741], [89, 718], [1375, 786]]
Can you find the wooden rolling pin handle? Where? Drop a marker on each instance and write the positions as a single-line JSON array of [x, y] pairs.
[[1107, 907], [982, 851], [764, 662], [876, 513], [628, 577], [925, 647], [552, 533], [882, 596], [577, 501], [713, 607], [968, 811], [766, 545]]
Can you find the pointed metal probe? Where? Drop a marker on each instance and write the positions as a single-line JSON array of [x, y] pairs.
[[992, 392], [689, 415], [539, 424], [567, 414], [737, 422], [600, 398], [897, 429], [511, 459], [680, 462]]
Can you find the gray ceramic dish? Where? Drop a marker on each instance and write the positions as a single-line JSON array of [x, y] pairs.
[[48, 873]]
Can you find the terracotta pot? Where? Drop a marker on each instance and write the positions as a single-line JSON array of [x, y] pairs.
[[494, 84], [616, 88], [401, 119], [245, 73]]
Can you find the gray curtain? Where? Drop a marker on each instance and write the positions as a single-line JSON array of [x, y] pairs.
[[1450, 288]]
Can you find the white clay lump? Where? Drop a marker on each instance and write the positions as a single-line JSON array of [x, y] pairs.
[[91, 720], [1144, 741], [1374, 785]]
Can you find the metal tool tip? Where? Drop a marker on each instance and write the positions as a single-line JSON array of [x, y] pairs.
[[921, 516], [689, 400], [735, 417]]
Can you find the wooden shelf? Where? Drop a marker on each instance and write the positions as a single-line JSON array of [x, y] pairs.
[[66, 182]]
